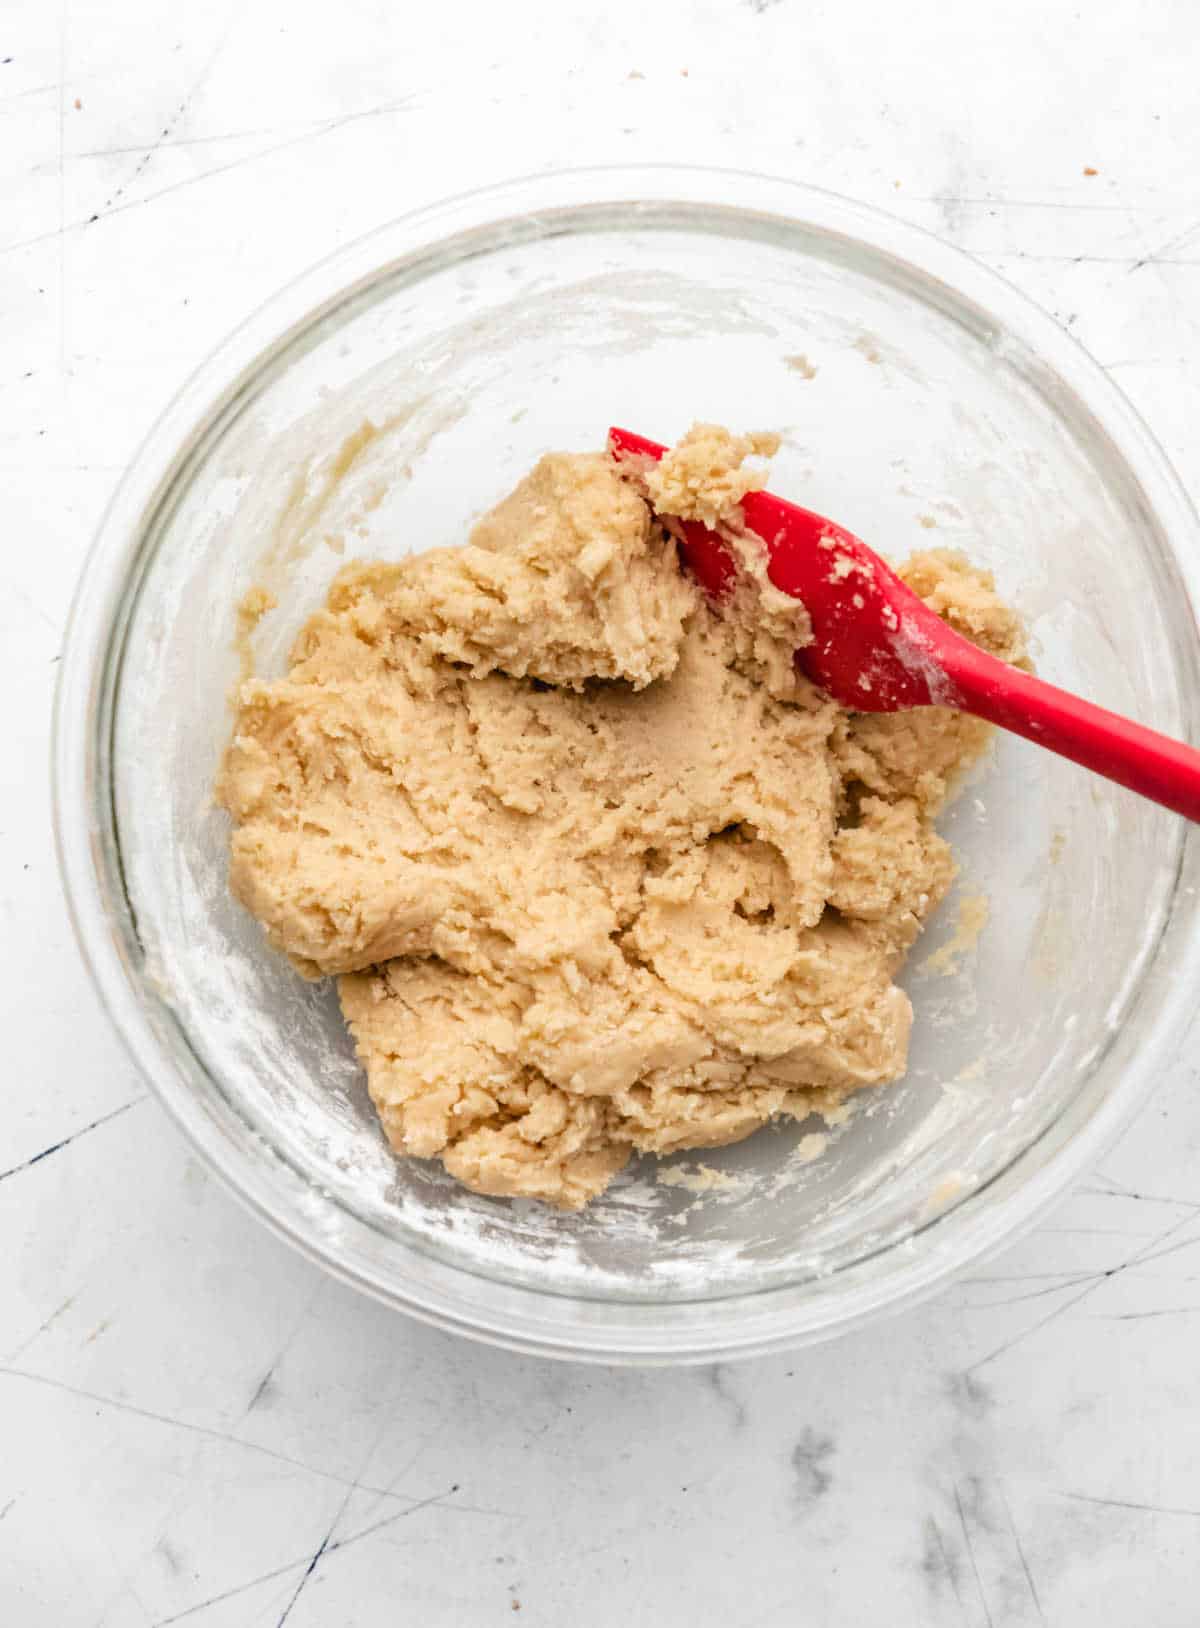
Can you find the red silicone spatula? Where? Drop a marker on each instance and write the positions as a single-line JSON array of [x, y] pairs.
[[877, 648]]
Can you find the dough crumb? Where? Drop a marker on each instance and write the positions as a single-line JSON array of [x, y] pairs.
[[800, 364], [597, 870], [701, 1178], [946, 1192]]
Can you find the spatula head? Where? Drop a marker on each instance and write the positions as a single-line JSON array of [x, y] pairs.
[[875, 648]]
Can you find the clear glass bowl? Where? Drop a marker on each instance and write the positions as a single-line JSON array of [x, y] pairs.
[[923, 402]]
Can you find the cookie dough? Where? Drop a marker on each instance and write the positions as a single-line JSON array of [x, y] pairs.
[[596, 868]]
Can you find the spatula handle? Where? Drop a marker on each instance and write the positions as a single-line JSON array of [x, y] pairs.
[[1154, 765]]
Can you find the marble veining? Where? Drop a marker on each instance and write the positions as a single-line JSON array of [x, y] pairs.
[[195, 1425]]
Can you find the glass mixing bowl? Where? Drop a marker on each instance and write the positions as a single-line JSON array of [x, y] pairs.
[[922, 401]]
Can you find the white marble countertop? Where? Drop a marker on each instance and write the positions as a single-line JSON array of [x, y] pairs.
[[195, 1424]]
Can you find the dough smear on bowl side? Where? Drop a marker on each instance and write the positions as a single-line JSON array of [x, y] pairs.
[[597, 870]]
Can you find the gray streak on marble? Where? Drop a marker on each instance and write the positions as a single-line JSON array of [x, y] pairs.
[[812, 1457], [939, 1563], [722, 1381]]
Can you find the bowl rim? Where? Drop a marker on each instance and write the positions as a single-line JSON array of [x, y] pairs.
[[458, 1298]]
